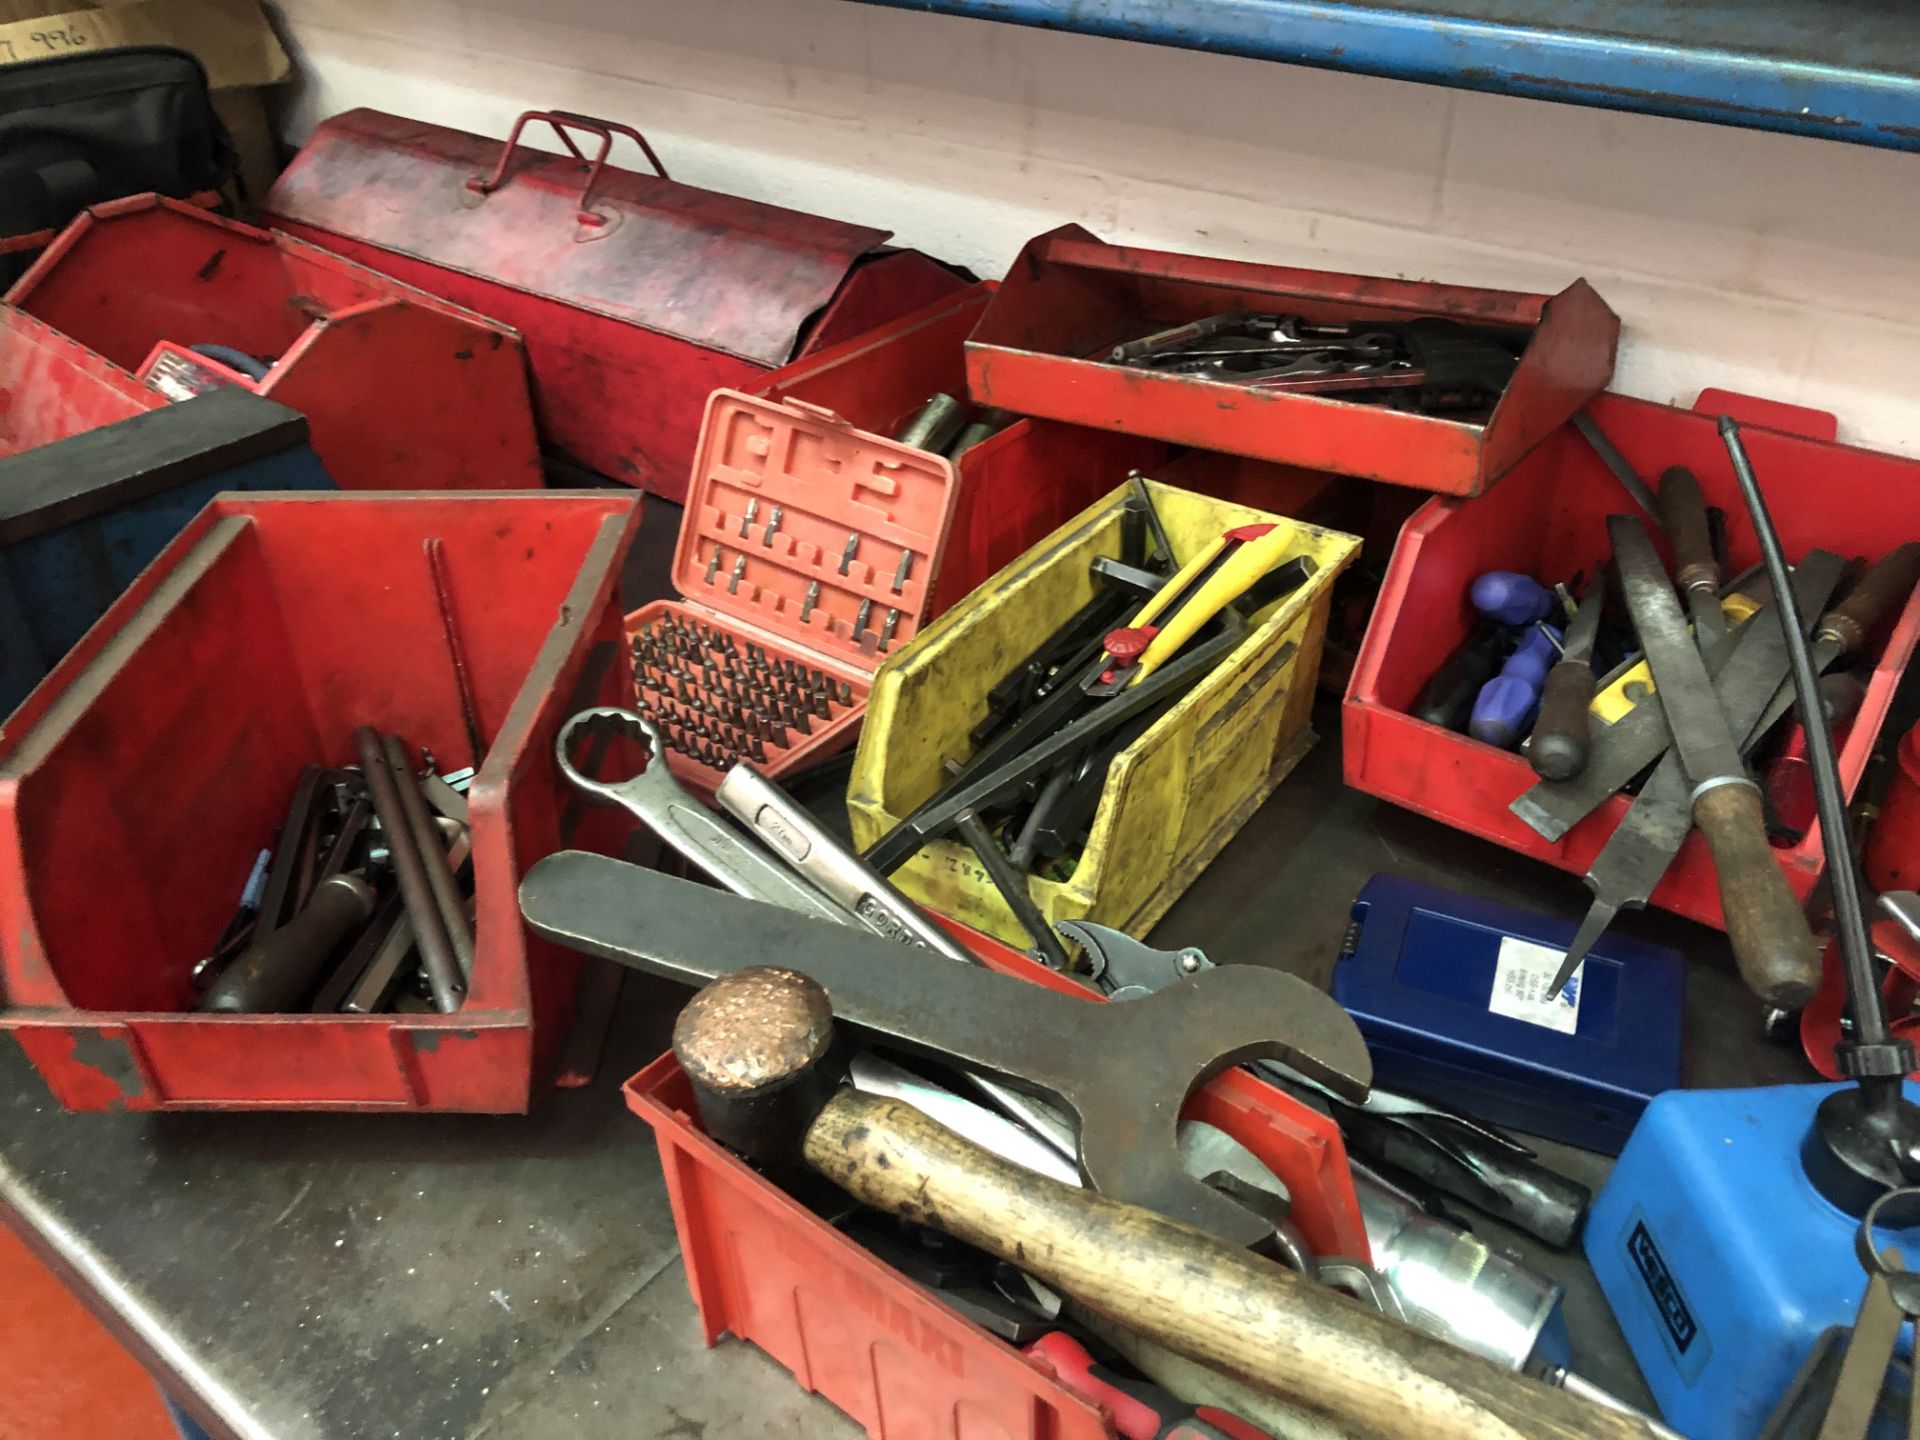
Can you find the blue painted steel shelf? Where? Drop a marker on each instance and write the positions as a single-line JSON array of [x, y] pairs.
[[1836, 69]]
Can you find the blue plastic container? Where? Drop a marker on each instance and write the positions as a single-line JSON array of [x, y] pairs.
[[1446, 989], [79, 518], [1721, 1261]]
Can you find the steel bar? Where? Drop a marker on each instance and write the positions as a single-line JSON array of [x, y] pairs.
[[409, 871]]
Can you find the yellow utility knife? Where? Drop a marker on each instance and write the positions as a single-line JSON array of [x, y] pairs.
[[1220, 574]]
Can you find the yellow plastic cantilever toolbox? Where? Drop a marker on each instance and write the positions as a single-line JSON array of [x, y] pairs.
[[1174, 798]]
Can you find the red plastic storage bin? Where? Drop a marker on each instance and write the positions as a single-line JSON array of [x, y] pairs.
[[403, 391], [53, 388], [1010, 489], [764, 1268], [638, 295], [1893, 844], [1070, 298], [1547, 518], [142, 777]]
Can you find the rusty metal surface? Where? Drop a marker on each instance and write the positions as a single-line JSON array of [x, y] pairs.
[[53, 387], [729, 274], [753, 1029]]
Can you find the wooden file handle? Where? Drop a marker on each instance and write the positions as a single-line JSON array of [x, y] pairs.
[[1772, 943], [1683, 515], [1884, 587], [1194, 1294], [1563, 732]]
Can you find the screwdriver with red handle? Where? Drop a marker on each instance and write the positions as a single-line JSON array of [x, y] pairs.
[[1141, 1410]]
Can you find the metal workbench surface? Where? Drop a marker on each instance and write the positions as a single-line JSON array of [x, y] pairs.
[[1837, 69], [353, 1275]]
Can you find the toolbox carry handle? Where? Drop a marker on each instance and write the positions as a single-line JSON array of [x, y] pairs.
[[1798, 420], [562, 121]]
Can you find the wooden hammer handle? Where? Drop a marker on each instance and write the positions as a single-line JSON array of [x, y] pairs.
[[1190, 1292]]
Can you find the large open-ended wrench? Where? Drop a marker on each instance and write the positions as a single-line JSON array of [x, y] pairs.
[[1124, 1071]]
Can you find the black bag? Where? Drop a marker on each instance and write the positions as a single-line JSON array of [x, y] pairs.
[[79, 129]]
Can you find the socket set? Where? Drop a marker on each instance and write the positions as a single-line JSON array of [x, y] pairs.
[[806, 556]]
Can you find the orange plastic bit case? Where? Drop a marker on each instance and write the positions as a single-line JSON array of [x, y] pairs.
[[806, 556]]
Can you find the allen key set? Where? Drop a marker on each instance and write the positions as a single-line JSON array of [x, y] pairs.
[[807, 555]]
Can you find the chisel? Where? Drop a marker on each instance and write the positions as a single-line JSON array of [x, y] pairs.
[[1637, 854], [1683, 515], [1636, 740], [1772, 943]]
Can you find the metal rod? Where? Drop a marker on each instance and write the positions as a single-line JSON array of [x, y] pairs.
[[409, 871], [1628, 477], [433, 855], [462, 676], [1012, 886], [1863, 993]]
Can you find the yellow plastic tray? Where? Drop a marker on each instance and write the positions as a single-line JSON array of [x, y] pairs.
[[1173, 798]]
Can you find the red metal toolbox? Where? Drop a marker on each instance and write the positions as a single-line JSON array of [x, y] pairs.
[[403, 390], [1547, 518], [638, 296], [53, 388], [1013, 487], [141, 778], [1069, 296], [764, 1268]]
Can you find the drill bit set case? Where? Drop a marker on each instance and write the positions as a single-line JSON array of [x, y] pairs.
[[806, 556]]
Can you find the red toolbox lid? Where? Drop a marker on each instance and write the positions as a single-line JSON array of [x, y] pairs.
[[643, 249], [808, 515]]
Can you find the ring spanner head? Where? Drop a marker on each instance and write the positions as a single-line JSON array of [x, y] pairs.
[[659, 802]]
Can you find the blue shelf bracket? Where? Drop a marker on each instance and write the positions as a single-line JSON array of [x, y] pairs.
[[1845, 70]]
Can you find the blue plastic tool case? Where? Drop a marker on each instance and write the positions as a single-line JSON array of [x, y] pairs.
[[80, 517], [1446, 990]]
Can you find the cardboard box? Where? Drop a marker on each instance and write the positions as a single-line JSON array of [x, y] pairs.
[[230, 37]]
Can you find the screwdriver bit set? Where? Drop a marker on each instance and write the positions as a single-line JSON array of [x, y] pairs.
[[806, 557], [718, 699]]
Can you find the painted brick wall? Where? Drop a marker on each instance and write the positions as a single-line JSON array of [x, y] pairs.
[[1782, 266]]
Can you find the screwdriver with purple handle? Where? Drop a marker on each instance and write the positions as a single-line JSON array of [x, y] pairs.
[[1506, 703]]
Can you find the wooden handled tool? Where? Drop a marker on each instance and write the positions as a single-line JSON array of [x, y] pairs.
[[1683, 515], [1562, 735], [1882, 590], [760, 1049], [1772, 943]]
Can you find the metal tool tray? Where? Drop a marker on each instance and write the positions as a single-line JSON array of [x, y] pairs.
[[1069, 298]]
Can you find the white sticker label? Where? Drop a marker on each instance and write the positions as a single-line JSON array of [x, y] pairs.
[[1520, 979]]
